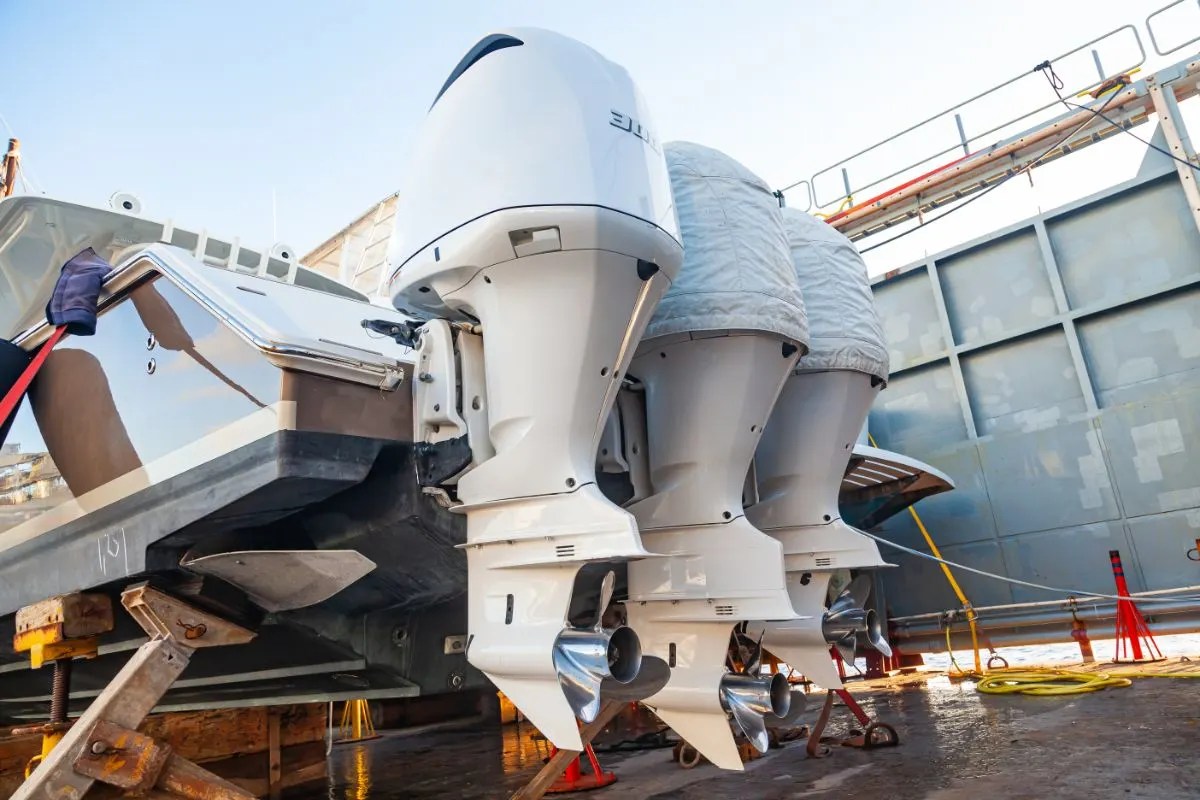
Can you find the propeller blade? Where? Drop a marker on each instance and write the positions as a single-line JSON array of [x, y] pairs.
[[754, 726], [584, 659], [837, 625], [606, 592], [651, 679], [799, 703], [755, 660], [881, 644], [847, 647], [875, 636], [860, 589], [752, 699], [843, 603]]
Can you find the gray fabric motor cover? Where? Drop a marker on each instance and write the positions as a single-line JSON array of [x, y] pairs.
[[844, 328], [737, 271]]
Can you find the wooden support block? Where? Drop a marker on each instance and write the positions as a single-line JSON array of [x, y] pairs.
[[68, 616]]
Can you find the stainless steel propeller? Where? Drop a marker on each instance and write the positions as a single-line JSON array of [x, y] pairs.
[[752, 699], [846, 617], [585, 657]]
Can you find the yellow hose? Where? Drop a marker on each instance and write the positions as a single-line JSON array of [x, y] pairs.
[[1054, 682]]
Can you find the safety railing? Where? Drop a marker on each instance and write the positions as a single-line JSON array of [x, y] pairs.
[[278, 263], [1174, 19], [1130, 54], [799, 196]]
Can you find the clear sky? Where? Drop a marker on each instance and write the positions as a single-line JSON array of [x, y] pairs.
[[204, 108]]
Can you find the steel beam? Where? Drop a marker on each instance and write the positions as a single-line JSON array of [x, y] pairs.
[[1167, 108]]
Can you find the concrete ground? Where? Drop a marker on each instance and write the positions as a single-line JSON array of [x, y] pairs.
[[1141, 743]]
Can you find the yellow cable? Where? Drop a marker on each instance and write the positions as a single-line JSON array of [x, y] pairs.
[[847, 203], [1047, 682], [950, 652], [1040, 682], [962, 598]]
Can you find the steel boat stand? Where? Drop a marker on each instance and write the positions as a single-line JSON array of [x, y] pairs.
[[104, 745]]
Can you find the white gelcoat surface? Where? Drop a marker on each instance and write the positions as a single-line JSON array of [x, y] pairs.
[[548, 123]]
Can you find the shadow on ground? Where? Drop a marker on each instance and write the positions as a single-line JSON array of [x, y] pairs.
[[1138, 743]]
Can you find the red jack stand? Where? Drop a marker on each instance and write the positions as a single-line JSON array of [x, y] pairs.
[[904, 662], [874, 733], [573, 780], [878, 665], [841, 664], [1132, 630], [854, 707]]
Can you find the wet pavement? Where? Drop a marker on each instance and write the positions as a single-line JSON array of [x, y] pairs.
[[1141, 742]]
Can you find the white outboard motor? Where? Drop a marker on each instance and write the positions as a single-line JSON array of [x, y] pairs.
[[807, 446], [712, 363], [538, 230]]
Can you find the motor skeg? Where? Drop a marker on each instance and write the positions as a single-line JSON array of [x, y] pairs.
[[711, 364], [537, 211], [807, 446]]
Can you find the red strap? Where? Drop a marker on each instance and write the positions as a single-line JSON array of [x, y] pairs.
[[9, 403]]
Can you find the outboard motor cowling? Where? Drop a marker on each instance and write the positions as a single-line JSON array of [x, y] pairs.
[[538, 219], [712, 363], [808, 443]]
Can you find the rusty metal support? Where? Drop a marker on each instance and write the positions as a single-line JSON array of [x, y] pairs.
[[60, 630], [1079, 633], [60, 691], [138, 764], [108, 727], [161, 615]]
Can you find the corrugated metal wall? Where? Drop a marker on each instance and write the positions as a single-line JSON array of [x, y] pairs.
[[1053, 370]]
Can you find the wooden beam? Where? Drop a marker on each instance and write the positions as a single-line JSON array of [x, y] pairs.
[[300, 764], [274, 762], [221, 733], [536, 788]]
